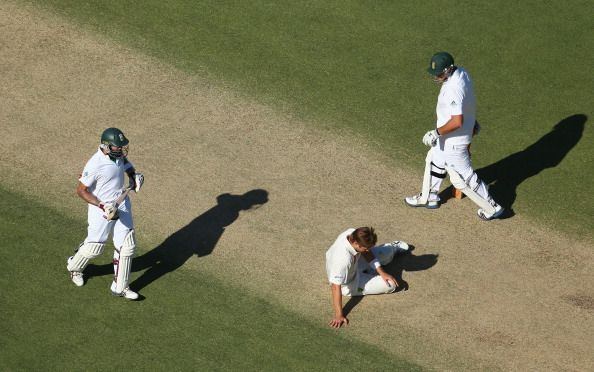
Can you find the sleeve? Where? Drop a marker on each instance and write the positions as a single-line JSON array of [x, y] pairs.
[[89, 175], [127, 164], [337, 275], [338, 278]]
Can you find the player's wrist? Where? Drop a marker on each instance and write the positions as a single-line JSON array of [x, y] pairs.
[[381, 272]]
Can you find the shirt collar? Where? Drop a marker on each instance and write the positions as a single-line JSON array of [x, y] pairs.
[[107, 158], [350, 248]]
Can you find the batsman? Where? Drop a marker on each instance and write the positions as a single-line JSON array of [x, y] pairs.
[[449, 142], [101, 186]]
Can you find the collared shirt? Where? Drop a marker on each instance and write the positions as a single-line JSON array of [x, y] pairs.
[[104, 177], [341, 260], [456, 97]]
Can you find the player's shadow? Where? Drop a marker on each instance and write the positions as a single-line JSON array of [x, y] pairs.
[[401, 263], [409, 262], [199, 238], [507, 174]]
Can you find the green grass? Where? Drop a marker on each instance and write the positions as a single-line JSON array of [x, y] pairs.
[[188, 321], [358, 66]]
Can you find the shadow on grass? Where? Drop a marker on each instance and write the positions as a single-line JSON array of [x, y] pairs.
[[410, 262], [402, 263], [507, 174], [199, 238]]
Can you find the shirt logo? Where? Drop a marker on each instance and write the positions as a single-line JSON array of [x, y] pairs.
[[453, 103]]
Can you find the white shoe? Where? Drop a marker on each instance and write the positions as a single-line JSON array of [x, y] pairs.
[[75, 276], [414, 201], [400, 247], [127, 293], [487, 217]]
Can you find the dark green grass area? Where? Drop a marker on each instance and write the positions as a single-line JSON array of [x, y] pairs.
[[359, 67], [188, 321]]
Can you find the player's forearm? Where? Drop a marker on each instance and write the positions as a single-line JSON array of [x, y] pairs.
[[453, 124], [129, 168], [130, 172], [387, 277], [88, 197], [337, 300]]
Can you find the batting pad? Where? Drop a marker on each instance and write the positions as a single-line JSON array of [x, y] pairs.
[[122, 262], [471, 190], [84, 254], [122, 267], [425, 188], [129, 246]]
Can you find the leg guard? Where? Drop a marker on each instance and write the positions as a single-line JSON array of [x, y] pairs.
[[475, 189], [432, 178], [122, 262], [85, 252]]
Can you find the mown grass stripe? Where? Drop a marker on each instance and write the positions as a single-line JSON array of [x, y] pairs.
[[358, 67], [188, 321]]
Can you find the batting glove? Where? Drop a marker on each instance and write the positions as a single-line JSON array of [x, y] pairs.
[[110, 211], [430, 138], [138, 181]]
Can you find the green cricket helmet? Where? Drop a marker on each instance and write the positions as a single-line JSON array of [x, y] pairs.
[[440, 63], [114, 143]]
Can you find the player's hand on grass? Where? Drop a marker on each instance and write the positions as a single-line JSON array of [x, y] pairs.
[[338, 322]]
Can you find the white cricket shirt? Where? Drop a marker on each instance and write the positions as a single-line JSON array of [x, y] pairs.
[[341, 260], [456, 97], [104, 177]]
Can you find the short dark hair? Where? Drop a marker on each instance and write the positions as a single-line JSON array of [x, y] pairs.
[[365, 236]]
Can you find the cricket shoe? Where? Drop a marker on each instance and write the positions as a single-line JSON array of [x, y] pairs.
[[127, 293], [400, 247], [75, 276], [487, 217], [415, 201]]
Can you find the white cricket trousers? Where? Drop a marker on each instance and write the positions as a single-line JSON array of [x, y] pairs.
[[366, 281], [99, 228], [457, 157]]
